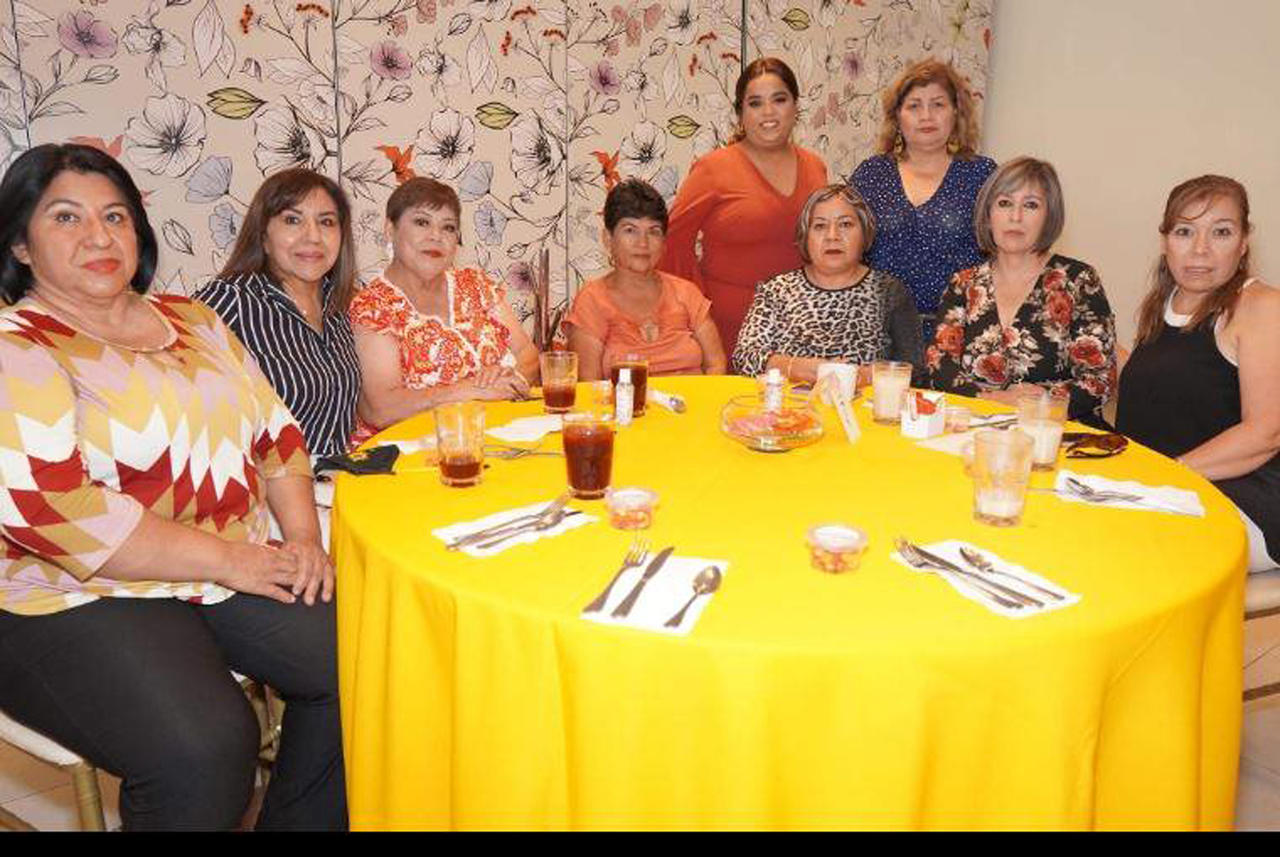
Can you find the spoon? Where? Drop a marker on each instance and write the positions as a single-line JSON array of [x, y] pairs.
[[981, 563], [707, 582]]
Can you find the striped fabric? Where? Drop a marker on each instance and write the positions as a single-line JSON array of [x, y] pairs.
[[93, 435], [317, 375]]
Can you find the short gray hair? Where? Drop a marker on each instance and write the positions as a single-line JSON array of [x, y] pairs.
[[849, 194], [1007, 178]]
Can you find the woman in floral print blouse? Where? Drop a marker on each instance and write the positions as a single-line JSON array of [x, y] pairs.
[[1026, 317], [426, 332]]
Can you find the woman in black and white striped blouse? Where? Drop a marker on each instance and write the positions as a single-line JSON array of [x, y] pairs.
[[285, 292]]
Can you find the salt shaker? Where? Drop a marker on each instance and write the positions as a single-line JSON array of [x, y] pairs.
[[624, 395], [773, 384]]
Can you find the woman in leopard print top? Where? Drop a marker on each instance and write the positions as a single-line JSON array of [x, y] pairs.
[[834, 308]]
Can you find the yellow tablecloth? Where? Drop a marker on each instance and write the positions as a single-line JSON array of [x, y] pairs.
[[473, 696]]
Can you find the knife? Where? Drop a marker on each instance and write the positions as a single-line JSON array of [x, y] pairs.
[[621, 611], [939, 562]]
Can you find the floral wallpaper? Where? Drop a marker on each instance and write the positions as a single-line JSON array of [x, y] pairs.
[[531, 110]]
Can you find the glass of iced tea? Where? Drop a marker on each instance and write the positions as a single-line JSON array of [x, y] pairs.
[[460, 443], [639, 367], [588, 452], [559, 380]]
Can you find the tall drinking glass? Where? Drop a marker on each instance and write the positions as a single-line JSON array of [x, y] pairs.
[[889, 383], [460, 443], [1001, 469], [639, 367], [1041, 415], [588, 452], [559, 380]]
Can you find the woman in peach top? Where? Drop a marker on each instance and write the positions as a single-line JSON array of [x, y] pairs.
[[744, 199], [635, 309]]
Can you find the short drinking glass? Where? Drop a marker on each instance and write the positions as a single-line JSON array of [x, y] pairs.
[[889, 383], [1041, 415], [460, 442], [559, 380], [1001, 469], [588, 452], [639, 367]]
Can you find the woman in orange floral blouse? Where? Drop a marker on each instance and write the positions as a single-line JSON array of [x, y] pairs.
[[1026, 317], [427, 333]]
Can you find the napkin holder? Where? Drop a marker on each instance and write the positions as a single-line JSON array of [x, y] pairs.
[[922, 426]]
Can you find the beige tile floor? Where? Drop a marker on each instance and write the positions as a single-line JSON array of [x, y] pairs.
[[41, 794]]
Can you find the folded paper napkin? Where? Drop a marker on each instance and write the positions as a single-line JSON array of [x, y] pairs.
[[950, 550], [457, 531], [417, 444], [663, 596], [526, 429], [1155, 498], [952, 444]]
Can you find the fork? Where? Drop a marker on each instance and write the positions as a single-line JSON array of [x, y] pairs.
[[1087, 492], [989, 588], [1093, 495], [509, 453], [544, 522], [532, 518], [635, 555]]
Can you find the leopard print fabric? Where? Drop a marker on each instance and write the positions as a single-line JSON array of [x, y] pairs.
[[872, 319]]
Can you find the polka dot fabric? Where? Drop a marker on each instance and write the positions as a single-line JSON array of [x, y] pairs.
[[922, 246]]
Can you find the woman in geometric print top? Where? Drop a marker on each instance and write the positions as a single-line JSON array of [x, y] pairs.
[[1026, 318], [139, 449], [285, 291], [426, 332]]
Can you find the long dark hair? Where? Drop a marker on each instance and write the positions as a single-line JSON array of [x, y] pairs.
[[279, 192], [26, 182], [1198, 191], [759, 68]]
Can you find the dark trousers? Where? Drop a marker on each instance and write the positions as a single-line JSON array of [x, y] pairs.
[[141, 688]]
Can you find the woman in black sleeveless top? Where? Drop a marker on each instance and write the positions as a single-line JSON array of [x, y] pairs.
[[1203, 383]]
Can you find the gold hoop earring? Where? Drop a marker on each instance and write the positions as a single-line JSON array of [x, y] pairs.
[[953, 146], [899, 143]]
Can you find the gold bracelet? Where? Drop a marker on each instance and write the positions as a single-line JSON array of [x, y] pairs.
[[786, 373]]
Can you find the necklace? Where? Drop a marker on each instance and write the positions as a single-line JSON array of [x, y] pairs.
[[649, 328]]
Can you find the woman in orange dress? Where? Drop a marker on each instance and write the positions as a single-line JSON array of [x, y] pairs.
[[743, 200], [636, 309]]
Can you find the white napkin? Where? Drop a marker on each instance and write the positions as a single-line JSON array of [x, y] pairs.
[[457, 531], [1155, 498], [526, 429], [663, 596], [950, 550], [952, 444], [408, 447]]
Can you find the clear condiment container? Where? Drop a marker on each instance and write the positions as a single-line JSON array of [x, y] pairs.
[[958, 419], [630, 507], [835, 548]]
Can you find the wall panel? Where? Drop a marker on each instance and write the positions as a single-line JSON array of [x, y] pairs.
[[530, 109], [652, 90]]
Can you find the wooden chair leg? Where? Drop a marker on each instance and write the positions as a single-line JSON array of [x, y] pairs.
[[84, 779], [9, 821]]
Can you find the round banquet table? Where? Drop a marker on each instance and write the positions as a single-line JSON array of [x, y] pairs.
[[474, 697]]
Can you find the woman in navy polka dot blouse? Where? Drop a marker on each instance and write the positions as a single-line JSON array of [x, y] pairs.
[[923, 184]]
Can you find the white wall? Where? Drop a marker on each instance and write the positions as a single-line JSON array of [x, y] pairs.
[[1129, 97]]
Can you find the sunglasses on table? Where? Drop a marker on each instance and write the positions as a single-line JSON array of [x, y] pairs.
[[1083, 444]]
